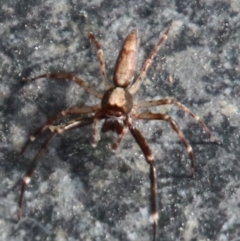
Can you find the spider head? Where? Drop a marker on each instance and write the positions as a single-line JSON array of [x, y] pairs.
[[117, 101]]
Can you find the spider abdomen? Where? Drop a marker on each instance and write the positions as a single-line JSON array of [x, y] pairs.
[[126, 61]]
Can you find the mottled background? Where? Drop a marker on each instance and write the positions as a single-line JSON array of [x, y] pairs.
[[83, 193]]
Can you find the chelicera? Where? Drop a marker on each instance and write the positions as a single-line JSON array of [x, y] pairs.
[[117, 108]]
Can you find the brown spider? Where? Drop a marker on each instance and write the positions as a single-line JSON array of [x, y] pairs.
[[118, 110]]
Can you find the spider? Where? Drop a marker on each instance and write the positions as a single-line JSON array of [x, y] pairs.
[[118, 110]]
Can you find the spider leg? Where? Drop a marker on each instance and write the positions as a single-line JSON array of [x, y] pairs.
[[68, 111], [157, 116], [27, 176], [68, 76], [54, 130], [135, 86], [101, 61], [152, 103], [150, 160]]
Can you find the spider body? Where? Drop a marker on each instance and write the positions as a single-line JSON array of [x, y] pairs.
[[117, 108]]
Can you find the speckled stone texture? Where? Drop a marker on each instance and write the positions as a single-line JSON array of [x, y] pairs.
[[83, 193]]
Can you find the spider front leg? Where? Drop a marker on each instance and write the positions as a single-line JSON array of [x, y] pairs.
[[54, 130], [152, 171], [174, 126], [119, 138]]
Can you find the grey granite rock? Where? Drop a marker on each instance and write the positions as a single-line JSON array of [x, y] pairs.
[[82, 193]]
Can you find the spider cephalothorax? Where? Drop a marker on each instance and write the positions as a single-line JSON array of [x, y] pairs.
[[117, 102], [118, 110]]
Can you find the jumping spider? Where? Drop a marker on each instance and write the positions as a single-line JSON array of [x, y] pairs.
[[117, 108]]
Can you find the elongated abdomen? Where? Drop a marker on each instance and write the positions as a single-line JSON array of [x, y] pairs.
[[126, 61]]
